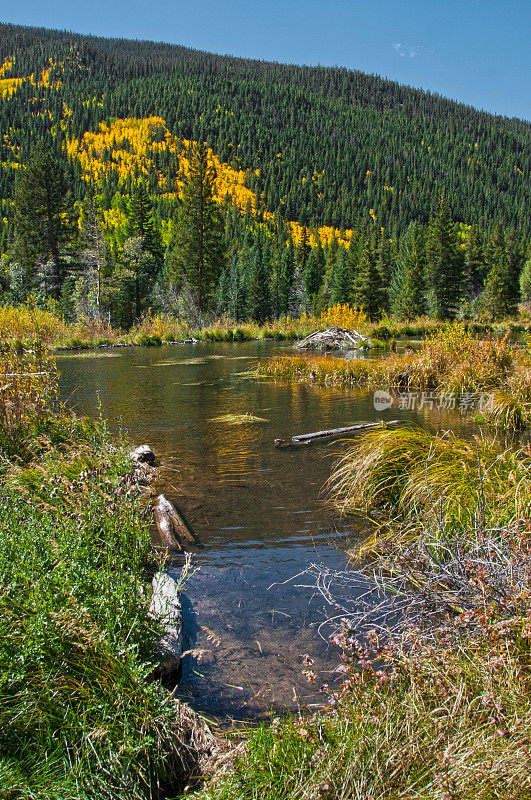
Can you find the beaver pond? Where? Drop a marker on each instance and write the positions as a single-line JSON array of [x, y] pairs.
[[257, 510]]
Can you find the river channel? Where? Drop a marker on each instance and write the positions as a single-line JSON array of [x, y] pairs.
[[257, 510]]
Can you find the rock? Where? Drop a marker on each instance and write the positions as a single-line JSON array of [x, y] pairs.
[[143, 454], [401, 380]]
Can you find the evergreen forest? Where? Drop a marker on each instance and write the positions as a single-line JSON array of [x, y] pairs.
[[139, 175]]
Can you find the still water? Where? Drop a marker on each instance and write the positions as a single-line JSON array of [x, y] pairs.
[[257, 510]]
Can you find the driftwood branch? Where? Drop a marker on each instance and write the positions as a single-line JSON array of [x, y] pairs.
[[361, 426], [171, 526]]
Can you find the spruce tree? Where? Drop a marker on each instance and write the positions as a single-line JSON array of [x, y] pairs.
[[475, 268], [142, 223], [342, 279], [501, 295], [525, 282], [444, 265], [198, 249], [367, 286], [285, 279], [303, 249], [42, 226], [407, 285], [313, 273], [259, 293]]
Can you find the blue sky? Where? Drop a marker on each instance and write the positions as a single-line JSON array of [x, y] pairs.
[[475, 51]]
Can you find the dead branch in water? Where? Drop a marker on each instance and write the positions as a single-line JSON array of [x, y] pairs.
[[361, 426]]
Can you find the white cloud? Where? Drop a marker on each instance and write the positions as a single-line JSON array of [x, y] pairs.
[[406, 50]]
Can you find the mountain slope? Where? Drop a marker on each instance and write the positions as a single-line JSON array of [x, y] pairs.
[[320, 146]]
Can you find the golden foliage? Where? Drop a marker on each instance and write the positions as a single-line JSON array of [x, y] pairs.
[[28, 324], [9, 85], [343, 315], [28, 383], [128, 147]]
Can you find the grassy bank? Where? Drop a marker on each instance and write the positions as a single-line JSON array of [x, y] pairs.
[[80, 715], [28, 323], [433, 702]]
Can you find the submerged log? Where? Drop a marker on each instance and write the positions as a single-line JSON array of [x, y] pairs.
[[171, 525], [143, 454], [361, 426], [166, 606], [332, 339]]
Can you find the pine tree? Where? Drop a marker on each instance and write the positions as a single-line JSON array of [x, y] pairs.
[[142, 223], [259, 293], [501, 295], [313, 273], [303, 250], [386, 257], [198, 249], [444, 266], [407, 285], [525, 282], [475, 269], [92, 257], [41, 219]]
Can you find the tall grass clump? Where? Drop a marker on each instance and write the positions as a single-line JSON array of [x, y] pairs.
[[410, 472]]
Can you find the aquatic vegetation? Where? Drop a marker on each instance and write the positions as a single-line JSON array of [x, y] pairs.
[[238, 419]]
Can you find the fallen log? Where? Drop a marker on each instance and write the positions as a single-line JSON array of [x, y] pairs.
[[282, 444], [362, 426], [171, 525], [166, 606]]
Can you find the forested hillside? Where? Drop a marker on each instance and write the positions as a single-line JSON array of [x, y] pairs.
[[317, 158]]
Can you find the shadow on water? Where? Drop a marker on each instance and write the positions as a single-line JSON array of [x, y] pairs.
[[257, 510]]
